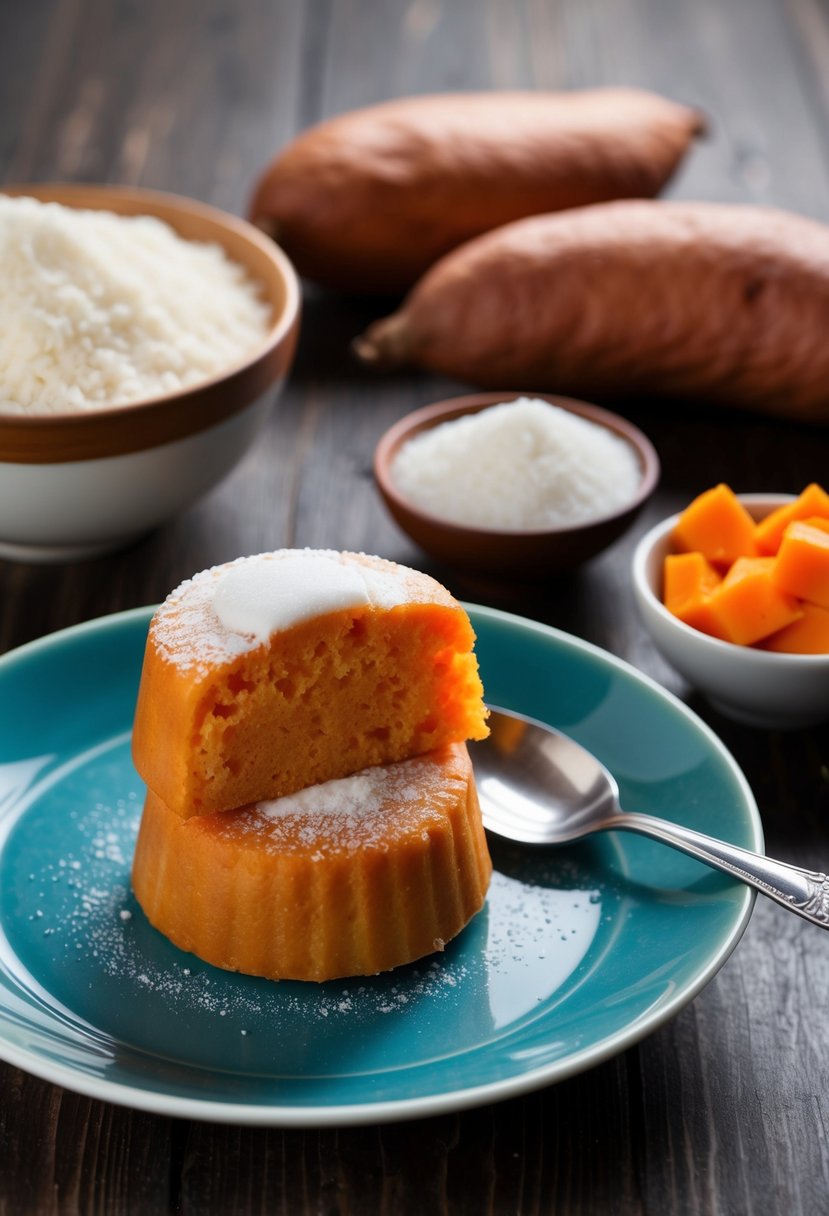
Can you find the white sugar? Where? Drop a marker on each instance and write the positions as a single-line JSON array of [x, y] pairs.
[[524, 464], [98, 309], [368, 810], [361, 794]]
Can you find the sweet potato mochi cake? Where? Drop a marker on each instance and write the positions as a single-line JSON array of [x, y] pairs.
[[301, 727]]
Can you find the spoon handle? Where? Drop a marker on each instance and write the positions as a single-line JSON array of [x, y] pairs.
[[805, 892]]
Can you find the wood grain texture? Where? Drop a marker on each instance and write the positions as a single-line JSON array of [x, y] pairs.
[[723, 1111]]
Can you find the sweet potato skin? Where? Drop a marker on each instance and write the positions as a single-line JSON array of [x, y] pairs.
[[366, 201], [715, 302]]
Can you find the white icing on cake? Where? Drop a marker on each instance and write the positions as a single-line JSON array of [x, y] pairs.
[[257, 598], [227, 610]]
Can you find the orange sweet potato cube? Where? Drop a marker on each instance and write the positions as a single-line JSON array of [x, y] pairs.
[[687, 582], [749, 604], [814, 501], [717, 525], [802, 564], [818, 521], [808, 635], [687, 576]]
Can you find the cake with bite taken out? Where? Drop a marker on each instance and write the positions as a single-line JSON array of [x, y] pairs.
[[311, 809], [276, 672]]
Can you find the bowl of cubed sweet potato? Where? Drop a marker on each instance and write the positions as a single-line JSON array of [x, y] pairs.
[[734, 591]]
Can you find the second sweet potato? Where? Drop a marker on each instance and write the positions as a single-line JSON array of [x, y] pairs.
[[366, 201], [715, 302]]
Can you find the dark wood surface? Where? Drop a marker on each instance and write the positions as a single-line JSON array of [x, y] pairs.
[[724, 1110]]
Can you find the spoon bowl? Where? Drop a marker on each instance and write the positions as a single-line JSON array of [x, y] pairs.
[[538, 786]]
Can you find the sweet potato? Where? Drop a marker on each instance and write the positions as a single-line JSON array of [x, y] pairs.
[[716, 302], [807, 635], [689, 580], [768, 532], [749, 604], [801, 567], [368, 200], [717, 525]]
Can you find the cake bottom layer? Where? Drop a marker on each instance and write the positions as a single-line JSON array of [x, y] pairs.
[[351, 877]]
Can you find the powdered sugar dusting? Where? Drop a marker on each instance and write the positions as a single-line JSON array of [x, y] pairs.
[[96, 952], [361, 794], [227, 610], [77, 936], [83, 903], [372, 809]]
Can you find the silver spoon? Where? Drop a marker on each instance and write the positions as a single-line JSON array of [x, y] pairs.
[[538, 786]]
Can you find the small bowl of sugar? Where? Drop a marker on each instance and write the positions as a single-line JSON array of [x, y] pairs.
[[503, 484]]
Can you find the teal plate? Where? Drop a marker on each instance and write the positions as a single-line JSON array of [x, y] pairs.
[[578, 953]]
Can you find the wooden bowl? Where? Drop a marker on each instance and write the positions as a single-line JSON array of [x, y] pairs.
[[533, 553], [82, 481]]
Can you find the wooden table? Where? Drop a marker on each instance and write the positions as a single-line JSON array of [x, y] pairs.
[[725, 1109]]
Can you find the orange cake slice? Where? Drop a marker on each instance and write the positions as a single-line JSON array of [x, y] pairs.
[[283, 670], [351, 877]]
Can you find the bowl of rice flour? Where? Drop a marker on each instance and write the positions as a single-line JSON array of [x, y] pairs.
[[143, 340], [514, 485]]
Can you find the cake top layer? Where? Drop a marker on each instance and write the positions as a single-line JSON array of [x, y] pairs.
[[227, 610]]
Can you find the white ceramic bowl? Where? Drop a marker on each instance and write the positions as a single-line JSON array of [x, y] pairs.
[[756, 687], [82, 482]]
